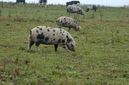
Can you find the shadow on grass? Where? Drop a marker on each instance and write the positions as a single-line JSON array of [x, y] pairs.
[[26, 50]]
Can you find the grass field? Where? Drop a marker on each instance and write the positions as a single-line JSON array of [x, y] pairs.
[[101, 57]]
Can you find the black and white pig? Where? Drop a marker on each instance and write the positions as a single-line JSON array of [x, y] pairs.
[[69, 22], [51, 36], [75, 9]]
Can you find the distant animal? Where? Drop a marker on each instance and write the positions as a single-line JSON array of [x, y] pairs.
[[69, 22], [75, 9], [44, 2], [51, 36], [72, 2], [94, 8], [20, 1]]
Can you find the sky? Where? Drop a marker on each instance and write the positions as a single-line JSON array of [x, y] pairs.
[[114, 3]]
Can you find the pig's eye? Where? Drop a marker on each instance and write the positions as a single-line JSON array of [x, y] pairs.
[[64, 47], [71, 45]]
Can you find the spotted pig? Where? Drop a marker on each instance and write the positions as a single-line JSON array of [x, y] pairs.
[[75, 9], [69, 22], [51, 36]]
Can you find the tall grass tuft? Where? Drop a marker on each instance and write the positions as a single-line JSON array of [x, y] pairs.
[[101, 14], [0, 12]]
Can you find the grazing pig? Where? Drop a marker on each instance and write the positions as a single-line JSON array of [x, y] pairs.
[[75, 9], [68, 22], [51, 36], [94, 8]]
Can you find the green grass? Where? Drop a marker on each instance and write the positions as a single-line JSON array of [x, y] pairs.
[[101, 57]]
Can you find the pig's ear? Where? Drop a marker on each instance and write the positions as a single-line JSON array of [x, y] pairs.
[[69, 40]]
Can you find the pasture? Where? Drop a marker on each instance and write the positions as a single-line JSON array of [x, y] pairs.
[[101, 57]]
